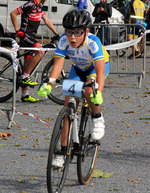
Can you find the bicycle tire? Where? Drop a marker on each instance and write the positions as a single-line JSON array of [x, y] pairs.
[[56, 93], [56, 176], [86, 160], [6, 77]]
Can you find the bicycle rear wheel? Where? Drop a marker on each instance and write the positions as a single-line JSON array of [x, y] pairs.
[[56, 176], [88, 150], [6, 77], [56, 93]]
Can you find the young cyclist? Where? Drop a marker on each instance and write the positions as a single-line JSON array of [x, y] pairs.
[[31, 15], [87, 56]]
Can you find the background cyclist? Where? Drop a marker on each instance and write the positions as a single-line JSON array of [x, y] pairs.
[[86, 54], [31, 15]]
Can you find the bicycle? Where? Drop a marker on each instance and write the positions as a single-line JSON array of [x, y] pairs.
[[6, 74], [78, 144]]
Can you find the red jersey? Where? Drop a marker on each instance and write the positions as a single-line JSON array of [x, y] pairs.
[[31, 17]]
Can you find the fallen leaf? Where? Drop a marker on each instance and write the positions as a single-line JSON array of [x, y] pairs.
[[21, 181], [35, 178], [130, 180], [144, 118], [48, 119], [5, 134], [114, 189], [117, 152], [138, 133], [122, 83], [139, 178], [144, 96], [122, 135], [17, 145], [24, 136], [101, 174], [128, 112]]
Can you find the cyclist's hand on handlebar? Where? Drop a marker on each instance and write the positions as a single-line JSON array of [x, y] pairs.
[[56, 37], [44, 90], [98, 100], [20, 33]]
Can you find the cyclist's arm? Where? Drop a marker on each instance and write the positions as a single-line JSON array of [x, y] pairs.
[[57, 67], [13, 16], [49, 24], [100, 73]]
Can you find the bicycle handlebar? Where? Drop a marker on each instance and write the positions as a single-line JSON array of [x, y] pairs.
[[93, 85]]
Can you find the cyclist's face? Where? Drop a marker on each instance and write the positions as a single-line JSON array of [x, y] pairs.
[[76, 37]]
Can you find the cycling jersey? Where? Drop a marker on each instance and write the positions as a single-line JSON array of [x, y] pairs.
[[84, 56], [31, 17]]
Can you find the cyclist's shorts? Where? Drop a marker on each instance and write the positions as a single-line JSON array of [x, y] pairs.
[[133, 32], [84, 75], [29, 42]]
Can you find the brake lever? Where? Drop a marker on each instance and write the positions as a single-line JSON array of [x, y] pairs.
[[93, 85]]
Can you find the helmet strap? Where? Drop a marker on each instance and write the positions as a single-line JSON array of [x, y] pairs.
[[83, 38]]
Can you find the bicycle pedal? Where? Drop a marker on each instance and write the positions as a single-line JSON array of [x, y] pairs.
[[95, 142]]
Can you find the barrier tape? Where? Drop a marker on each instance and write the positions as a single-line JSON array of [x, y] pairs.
[[31, 115], [123, 45], [38, 49], [27, 114]]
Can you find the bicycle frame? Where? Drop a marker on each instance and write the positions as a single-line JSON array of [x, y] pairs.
[[74, 90], [34, 71]]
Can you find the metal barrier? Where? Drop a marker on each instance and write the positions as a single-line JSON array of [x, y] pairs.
[[119, 61]]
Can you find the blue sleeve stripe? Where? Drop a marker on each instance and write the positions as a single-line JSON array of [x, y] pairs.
[[61, 55], [98, 58]]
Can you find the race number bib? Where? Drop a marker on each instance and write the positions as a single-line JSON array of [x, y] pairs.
[[72, 88]]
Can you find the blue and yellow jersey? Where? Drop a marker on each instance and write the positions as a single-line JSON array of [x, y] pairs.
[[84, 56]]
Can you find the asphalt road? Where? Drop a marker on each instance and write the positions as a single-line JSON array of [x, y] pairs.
[[124, 151]]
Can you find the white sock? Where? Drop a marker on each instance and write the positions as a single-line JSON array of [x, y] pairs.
[[24, 93], [25, 75]]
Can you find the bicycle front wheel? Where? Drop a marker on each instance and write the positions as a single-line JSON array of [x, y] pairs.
[[88, 149], [55, 175], [6, 77], [56, 92]]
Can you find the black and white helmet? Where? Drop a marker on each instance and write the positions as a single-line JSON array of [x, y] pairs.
[[77, 19]]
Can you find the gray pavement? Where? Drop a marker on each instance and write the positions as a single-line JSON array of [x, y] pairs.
[[124, 151]]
